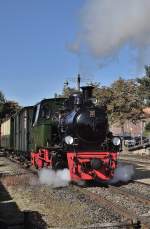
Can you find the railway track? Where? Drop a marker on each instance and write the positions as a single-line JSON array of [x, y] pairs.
[[125, 192], [141, 168], [129, 217], [142, 182], [103, 201], [134, 161], [123, 225]]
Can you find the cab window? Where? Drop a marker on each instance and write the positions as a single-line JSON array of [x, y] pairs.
[[45, 112]]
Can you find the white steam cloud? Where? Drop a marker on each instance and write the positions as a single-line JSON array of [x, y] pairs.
[[55, 179], [123, 173], [109, 25]]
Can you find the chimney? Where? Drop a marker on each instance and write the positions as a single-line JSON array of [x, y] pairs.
[[87, 92], [78, 82]]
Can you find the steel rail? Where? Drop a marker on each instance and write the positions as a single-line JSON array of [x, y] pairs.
[[141, 182], [134, 161], [131, 194], [127, 214], [123, 225], [130, 216]]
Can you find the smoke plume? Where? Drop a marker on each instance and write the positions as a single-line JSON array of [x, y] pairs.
[[55, 179], [107, 26], [123, 173]]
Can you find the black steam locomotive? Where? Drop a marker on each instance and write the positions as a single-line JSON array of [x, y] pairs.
[[68, 133]]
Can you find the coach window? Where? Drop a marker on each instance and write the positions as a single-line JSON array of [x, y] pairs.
[[36, 114]]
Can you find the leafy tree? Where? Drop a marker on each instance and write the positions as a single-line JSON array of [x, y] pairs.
[[125, 103], [144, 87], [10, 108], [147, 70], [2, 97], [2, 101], [121, 100], [103, 95], [67, 91]]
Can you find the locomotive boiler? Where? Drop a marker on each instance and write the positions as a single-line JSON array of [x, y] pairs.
[[68, 133]]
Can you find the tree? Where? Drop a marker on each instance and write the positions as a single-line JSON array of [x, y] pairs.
[[2, 97], [144, 87], [125, 103], [103, 95], [67, 91], [147, 70], [2, 102], [121, 100], [10, 108]]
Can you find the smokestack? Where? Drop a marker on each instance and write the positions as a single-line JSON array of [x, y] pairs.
[[78, 82], [87, 92]]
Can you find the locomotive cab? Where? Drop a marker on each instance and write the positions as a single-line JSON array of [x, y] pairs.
[[45, 123]]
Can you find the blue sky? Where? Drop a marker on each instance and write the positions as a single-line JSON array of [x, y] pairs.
[[34, 59]]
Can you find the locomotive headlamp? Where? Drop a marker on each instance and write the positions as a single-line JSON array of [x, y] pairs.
[[116, 141], [69, 140]]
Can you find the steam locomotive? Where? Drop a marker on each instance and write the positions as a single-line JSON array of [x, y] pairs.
[[64, 133]]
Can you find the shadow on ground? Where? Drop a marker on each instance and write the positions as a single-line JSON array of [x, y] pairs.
[[12, 217]]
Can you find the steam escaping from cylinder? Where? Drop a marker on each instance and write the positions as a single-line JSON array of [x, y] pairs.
[[123, 173], [107, 26], [55, 179]]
